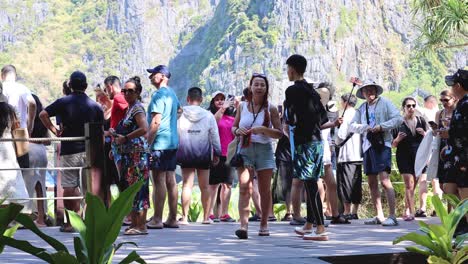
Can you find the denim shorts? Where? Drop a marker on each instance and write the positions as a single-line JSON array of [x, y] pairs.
[[258, 156]]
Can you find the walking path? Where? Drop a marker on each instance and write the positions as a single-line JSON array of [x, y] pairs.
[[217, 243]]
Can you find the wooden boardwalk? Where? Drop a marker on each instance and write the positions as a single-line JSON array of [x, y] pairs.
[[216, 243]]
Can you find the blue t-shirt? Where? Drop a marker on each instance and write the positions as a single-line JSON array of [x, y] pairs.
[[165, 102], [75, 111]]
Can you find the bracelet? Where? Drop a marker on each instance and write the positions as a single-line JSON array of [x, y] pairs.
[[235, 131]]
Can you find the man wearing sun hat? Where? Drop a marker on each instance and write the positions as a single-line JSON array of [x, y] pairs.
[[163, 140], [375, 119]]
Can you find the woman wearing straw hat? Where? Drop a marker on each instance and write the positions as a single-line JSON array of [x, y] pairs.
[[375, 119]]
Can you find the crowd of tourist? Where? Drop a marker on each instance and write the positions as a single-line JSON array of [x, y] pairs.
[[321, 151]]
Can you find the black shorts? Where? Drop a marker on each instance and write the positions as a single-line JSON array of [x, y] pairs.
[[221, 173], [454, 175], [163, 160], [195, 165]]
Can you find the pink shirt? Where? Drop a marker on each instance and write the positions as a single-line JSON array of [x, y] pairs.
[[225, 134]]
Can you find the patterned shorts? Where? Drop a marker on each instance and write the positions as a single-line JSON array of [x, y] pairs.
[[308, 161]]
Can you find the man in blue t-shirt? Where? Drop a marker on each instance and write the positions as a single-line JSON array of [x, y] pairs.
[[75, 111], [163, 140]]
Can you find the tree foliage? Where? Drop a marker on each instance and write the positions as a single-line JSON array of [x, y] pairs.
[[444, 24]]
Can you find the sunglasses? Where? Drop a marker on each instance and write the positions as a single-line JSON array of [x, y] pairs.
[[255, 74], [410, 106], [128, 91], [445, 100]]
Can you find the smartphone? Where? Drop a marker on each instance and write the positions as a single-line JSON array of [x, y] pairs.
[[432, 124]]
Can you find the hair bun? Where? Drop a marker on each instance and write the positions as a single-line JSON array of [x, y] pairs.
[[137, 79]]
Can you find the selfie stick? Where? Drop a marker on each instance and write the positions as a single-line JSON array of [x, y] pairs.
[[355, 81]]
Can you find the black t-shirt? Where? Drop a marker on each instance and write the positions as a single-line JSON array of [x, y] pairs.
[[75, 111], [305, 111], [39, 130]]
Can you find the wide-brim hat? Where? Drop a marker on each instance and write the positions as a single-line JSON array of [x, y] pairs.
[[367, 84], [213, 95], [3, 98]]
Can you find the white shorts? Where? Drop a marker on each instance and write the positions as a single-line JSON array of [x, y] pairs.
[[326, 147]]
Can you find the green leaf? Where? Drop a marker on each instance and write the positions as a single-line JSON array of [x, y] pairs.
[[119, 209], [9, 233], [452, 199], [64, 257], [456, 215], [97, 227], [80, 251], [460, 240], [419, 239], [132, 257], [27, 247], [27, 222], [440, 210], [437, 260], [77, 223], [415, 249], [8, 214], [118, 246], [461, 256]]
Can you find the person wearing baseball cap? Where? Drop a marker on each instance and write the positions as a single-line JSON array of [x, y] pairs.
[[456, 151], [75, 110], [375, 119], [163, 140]]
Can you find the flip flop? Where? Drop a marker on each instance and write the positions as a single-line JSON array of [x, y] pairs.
[[152, 226], [170, 226], [241, 233], [264, 232], [135, 232], [39, 225]]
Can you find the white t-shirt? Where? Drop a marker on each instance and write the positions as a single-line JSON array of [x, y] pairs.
[[351, 150], [18, 96], [246, 119]]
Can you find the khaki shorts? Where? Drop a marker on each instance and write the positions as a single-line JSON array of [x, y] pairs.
[[71, 178]]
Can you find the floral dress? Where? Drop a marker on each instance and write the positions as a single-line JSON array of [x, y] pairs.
[[131, 158]]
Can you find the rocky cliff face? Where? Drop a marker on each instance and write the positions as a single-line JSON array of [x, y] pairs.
[[214, 44]]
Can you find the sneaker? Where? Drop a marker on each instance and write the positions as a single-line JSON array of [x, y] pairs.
[[301, 231], [390, 221], [255, 218], [227, 218], [316, 237], [214, 219]]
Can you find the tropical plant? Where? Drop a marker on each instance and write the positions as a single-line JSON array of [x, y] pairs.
[[437, 239], [98, 231], [444, 24], [194, 212]]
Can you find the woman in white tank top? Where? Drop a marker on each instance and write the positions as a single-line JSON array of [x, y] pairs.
[[256, 123]]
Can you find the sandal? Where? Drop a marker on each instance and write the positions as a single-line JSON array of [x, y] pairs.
[[135, 232], [301, 231], [165, 225], [287, 217], [264, 232], [408, 218], [339, 220], [300, 221], [272, 219], [67, 229], [373, 221], [390, 221], [151, 225], [420, 213], [241, 233], [316, 237], [207, 222]]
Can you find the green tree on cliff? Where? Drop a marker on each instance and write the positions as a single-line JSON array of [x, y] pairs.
[[444, 24]]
